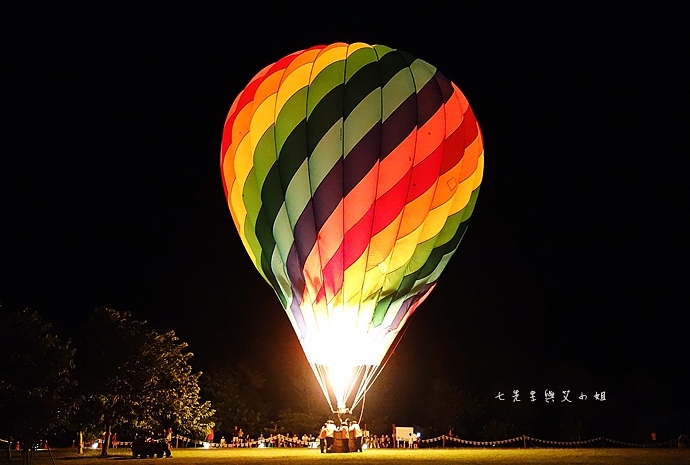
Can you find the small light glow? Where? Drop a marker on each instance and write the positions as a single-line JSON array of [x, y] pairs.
[[206, 445], [94, 445]]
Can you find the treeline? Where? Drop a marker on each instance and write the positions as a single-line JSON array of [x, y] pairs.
[[115, 373]]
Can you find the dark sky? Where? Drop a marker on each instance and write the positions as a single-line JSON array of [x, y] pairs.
[[575, 259]]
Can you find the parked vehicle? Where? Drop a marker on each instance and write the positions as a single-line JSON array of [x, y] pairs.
[[146, 449]]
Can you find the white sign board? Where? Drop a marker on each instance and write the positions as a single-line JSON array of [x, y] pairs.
[[404, 433]]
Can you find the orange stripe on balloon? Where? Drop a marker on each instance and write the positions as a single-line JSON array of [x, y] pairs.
[[415, 212], [306, 57], [358, 201], [397, 164], [268, 87], [471, 159], [328, 245], [240, 129], [247, 95], [382, 243], [430, 136]]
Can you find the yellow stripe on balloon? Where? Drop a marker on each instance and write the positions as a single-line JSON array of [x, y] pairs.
[[243, 164], [404, 248], [353, 277], [415, 212], [296, 77], [328, 56], [261, 122]]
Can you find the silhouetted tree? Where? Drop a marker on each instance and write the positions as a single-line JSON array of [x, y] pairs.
[[451, 407], [237, 396], [139, 377], [36, 378]]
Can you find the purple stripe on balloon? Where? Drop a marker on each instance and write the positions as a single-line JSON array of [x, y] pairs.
[[429, 100], [405, 307], [305, 232], [445, 85], [399, 125], [362, 158], [297, 314], [294, 270], [327, 197]]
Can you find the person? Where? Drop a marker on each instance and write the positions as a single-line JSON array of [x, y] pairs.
[[322, 438], [113, 441], [345, 436], [330, 430], [356, 433]]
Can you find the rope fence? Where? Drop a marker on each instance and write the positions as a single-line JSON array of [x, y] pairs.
[[602, 440], [280, 440], [444, 440]]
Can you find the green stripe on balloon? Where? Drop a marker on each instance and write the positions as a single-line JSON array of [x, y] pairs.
[[324, 83], [326, 113]]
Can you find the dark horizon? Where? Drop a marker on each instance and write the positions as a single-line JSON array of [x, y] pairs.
[[572, 266]]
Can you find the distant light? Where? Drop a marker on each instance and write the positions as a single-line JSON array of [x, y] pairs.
[[207, 445], [94, 445], [419, 435]]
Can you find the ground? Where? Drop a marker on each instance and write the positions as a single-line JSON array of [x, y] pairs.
[[380, 457]]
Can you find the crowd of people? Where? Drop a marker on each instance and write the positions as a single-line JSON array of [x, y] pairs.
[[346, 436], [273, 440], [376, 442]]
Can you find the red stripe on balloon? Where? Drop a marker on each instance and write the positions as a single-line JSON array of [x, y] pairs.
[[333, 273], [390, 204], [425, 174], [461, 138], [247, 97], [357, 239]]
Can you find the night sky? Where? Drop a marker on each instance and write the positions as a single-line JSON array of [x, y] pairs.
[[572, 274]]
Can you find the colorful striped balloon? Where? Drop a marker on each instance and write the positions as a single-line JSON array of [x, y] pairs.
[[350, 171]]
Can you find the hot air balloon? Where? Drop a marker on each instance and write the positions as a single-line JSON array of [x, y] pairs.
[[350, 171]]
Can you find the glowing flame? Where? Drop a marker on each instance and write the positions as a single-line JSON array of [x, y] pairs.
[[346, 352]]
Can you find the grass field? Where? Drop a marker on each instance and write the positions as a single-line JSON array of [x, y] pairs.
[[378, 457]]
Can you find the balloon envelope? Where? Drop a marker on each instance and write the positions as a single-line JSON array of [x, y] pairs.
[[350, 171]]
